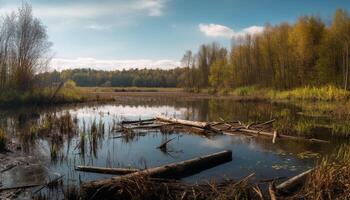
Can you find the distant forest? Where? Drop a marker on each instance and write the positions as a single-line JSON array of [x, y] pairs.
[[284, 56], [118, 78]]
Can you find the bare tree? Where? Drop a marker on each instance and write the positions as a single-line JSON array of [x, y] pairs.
[[24, 49]]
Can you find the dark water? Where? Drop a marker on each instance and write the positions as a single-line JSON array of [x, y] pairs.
[[259, 155]]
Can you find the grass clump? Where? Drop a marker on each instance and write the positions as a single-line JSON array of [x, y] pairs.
[[330, 179], [3, 140], [325, 93], [244, 91]]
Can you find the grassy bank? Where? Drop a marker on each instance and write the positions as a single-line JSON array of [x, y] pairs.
[[42, 96], [325, 93]]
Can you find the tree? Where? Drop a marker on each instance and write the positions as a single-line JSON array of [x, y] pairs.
[[24, 48]]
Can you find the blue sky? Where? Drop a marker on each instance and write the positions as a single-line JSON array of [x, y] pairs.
[[115, 34]]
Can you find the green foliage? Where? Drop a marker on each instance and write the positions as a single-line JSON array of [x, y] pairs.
[[244, 91], [68, 93], [124, 78]]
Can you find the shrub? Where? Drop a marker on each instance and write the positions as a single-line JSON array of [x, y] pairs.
[[244, 91]]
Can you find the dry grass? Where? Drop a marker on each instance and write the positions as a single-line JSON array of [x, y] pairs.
[[141, 187], [330, 179]]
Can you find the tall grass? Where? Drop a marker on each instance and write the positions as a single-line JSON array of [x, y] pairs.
[[325, 93], [330, 179]]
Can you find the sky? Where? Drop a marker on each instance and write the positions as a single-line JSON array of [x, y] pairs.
[[117, 34]]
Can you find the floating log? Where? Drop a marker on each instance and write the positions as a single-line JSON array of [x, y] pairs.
[[174, 170], [264, 133], [183, 122], [103, 170], [292, 184], [154, 126], [138, 121]]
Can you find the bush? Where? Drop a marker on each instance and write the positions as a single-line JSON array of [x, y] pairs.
[[67, 94], [244, 91]]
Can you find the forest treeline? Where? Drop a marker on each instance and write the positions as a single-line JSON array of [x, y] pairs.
[[284, 56], [306, 53], [117, 78]]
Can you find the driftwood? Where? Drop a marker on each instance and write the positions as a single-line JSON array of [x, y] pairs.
[[138, 121], [241, 128], [49, 183], [264, 133], [272, 192], [292, 184], [163, 146], [103, 170], [183, 122], [20, 187], [174, 170], [275, 135]]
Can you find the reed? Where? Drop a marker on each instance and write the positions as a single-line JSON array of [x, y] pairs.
[[3, 140], [330, 179]]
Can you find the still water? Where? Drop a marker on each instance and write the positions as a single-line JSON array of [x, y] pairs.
[[250, 154]]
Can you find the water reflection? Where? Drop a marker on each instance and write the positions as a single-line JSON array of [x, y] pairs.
[[67, 136]]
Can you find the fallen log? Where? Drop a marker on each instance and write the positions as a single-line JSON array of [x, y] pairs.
[[19, 187], [183, 122], [294, 183], [138, 121], [103, 170], [272, 192], [242, 128], [49, 183], [153, 126], [264, 133], [173, 170]]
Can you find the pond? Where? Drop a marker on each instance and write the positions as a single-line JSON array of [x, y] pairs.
[[46, 156]]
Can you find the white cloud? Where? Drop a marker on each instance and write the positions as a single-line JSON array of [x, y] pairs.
[[86, 13], [217, 30], [98, 27], [62, 63]]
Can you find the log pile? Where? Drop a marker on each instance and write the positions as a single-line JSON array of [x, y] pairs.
[[231, 128]]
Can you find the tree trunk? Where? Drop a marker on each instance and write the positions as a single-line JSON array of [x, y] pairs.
[[347, 67], [103, 170], [293, 183], [183, 122], [181, 169]]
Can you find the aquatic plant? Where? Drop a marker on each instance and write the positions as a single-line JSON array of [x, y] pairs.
[[54, 152]]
